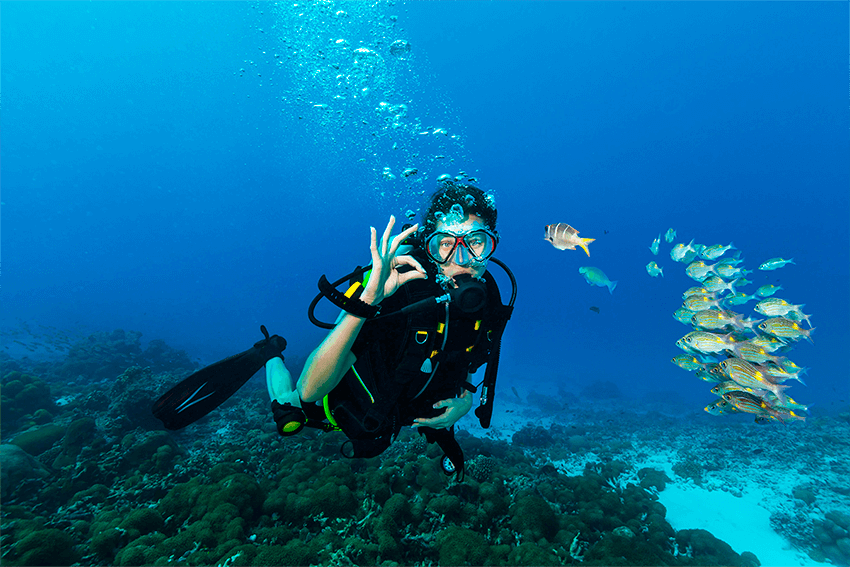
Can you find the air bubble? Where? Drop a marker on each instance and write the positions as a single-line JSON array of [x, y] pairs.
[[400, 48]]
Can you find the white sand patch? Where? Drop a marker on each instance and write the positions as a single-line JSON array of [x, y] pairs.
[[740, 522]]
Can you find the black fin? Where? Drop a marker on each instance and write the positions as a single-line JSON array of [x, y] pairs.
[[209, 387]]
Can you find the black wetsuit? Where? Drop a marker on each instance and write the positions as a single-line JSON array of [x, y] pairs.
[[393, 384]]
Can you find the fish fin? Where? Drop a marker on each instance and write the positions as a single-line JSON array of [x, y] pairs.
[[808, 335], [583, 243], [611, 286]]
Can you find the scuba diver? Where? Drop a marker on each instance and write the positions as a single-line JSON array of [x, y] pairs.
[[414, 327]]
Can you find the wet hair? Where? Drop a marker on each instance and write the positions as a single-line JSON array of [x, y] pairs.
[[473, 200]]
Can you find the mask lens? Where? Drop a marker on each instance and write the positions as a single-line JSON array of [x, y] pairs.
[[475, 246]]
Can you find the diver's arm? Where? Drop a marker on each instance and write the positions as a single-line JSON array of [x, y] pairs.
[[456, 408], [332, 359]]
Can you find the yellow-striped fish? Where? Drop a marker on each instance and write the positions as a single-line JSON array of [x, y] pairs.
[[732, 386], [716, 284], [716, 251], [699, 270], [721, 407], [752, 352], [770, 344], [711, 373], [749, 375], [694, 291], [683, 315], [783, 328], [705, 343], [776, 307], [687, 362], [715, 319], [701, 302], [758, 406]]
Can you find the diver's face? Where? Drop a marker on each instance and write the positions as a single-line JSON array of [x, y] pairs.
[[450, 269]]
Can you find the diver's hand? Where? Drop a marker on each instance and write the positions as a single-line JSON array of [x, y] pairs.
[[456, 408], [386, 279]]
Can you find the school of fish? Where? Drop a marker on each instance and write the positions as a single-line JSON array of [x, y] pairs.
[[745, 358]]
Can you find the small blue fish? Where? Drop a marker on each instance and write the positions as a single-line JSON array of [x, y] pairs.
[[654, 270], [670, 236], [654, 246], [775, 264]]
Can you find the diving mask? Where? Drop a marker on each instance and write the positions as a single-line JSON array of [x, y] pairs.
[[467, 248]]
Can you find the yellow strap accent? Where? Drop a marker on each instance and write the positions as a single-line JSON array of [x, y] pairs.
[[434, 353], [328, 412], [440, 328], [352, 289], [469, 348], [477, 324]]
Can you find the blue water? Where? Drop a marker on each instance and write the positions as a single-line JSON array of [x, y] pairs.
[[165, 168]]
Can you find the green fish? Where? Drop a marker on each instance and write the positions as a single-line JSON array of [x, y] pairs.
[[775, 264], [739, 299], [768, 290], [654, 270], [597, 277]]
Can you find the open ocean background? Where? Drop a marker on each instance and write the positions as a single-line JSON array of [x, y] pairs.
[[188, 171], [166, 168]]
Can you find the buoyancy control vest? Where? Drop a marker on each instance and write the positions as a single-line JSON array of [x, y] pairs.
[[407, 362]]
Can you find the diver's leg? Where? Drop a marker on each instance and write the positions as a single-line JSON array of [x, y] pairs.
[[279, 383], [286, 404]]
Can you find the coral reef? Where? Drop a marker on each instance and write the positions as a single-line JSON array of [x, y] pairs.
[[99, 483]]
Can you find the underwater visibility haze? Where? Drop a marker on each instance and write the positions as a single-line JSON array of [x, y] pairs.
[[671, 182]]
